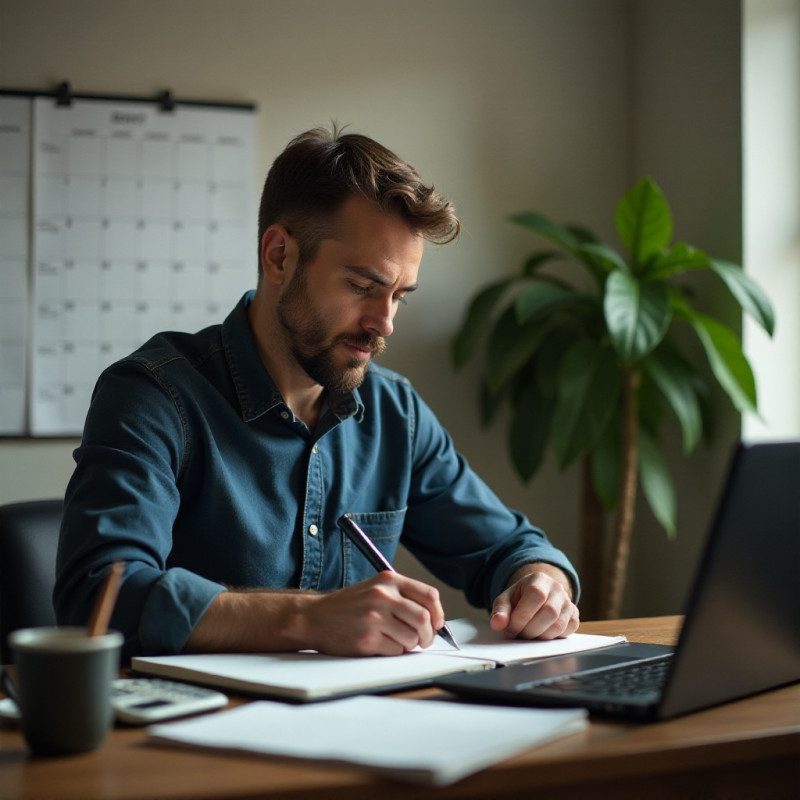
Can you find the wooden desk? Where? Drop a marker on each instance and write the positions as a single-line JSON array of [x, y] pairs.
[[748, 749]]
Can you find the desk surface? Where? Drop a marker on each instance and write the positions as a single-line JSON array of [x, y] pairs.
[[750, 748]]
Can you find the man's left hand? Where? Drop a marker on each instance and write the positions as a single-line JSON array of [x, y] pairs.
[[536, 605]]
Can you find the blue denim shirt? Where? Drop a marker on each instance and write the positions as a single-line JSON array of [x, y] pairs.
[[194, 471]]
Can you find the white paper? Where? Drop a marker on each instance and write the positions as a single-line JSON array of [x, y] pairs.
[[476, 639], [414, 740], [143, 221]]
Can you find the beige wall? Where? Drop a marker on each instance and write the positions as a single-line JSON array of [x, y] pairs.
[[686, 132], [556, 105]]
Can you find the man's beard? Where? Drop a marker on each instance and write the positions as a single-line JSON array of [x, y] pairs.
[[311, 346]]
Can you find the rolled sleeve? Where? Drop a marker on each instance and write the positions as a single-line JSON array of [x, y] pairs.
[[181, 597]]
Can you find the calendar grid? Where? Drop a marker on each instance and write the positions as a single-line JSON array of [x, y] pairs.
[[141, 221]]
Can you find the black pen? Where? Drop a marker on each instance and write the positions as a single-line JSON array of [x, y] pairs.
[[380, 562]]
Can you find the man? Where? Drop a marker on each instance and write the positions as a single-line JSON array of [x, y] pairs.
[[216, 464]]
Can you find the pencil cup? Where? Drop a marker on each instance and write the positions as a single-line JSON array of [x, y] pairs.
[[63, 680]]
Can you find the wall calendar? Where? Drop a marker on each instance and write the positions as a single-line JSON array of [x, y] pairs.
[[118, 219]]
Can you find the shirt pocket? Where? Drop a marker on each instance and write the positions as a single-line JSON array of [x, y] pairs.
[[384, 529]]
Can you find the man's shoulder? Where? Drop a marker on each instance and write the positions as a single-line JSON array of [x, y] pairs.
[[169, 347], [381, 376]]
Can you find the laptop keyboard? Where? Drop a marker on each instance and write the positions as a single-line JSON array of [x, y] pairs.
[[629, 680]]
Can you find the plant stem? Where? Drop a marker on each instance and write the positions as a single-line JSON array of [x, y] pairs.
[[620, 549]]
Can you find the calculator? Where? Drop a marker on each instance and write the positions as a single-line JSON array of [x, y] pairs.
[[140, 701]]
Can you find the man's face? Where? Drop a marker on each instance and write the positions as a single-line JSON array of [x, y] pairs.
[[338, 309]]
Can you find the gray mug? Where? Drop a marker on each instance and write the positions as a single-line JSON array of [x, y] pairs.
[[63, 679]]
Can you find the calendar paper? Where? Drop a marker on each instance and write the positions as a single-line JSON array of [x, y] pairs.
[[143, 220]]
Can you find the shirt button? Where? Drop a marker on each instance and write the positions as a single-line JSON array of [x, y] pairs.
[[285, 414], [315, 449], [313, 530]]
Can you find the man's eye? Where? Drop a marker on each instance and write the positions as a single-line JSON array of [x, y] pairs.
[[400, 298], [358, 289]]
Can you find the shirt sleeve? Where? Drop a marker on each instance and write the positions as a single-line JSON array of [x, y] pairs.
[[458, 527], [121, 503]]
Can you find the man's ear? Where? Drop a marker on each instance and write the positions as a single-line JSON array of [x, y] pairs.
[[279, 253]]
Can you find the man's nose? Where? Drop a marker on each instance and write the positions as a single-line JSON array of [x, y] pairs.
[[379, 319]]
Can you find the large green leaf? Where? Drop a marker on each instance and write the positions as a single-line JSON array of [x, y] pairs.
[[637, 314], [606, 462], [542, 298], [748, 293], [529, 430], [607, 258], [649, 402], [674, 378], [476, 321], [543, 225], [588, 391], [533, 262], [656, 482], [509, 348], [728, 363], [644, 222], [489, 403], [548, 357], [680, 257], [581, 233]]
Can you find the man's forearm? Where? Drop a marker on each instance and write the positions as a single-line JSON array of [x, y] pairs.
[[253, 621], [386, 614]]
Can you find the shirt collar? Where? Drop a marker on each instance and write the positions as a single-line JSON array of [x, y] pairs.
[[255, 389]]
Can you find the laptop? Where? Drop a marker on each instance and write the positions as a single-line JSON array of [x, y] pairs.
[[741, 632]]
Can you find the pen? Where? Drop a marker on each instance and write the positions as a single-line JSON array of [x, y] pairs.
[[381, 563]]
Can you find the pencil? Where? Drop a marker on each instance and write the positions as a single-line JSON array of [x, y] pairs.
[[104, 605]]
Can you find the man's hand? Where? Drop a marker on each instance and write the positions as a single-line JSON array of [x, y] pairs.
[[536, 605], [387, 614]]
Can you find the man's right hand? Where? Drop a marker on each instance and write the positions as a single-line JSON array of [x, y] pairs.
[[388, 614]]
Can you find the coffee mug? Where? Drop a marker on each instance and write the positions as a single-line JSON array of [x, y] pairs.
[[63, 680]]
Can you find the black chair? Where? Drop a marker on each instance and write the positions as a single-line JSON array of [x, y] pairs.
[[28, 545]]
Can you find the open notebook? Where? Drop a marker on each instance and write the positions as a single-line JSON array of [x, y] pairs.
[[310, 676]]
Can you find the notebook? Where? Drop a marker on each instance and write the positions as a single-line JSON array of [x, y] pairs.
[[741, 633], [310, 676]]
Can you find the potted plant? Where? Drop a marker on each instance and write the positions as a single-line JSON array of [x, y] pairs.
[[592, 368]]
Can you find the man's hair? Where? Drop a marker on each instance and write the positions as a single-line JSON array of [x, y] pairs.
[[321, 169]]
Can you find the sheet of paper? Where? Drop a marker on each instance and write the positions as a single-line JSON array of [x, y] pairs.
[[477, 640], [417, 741]]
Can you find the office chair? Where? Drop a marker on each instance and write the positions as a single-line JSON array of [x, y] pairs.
[[28, 545]]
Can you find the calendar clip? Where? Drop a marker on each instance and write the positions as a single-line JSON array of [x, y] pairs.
[[63, 94], [166, 101]]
